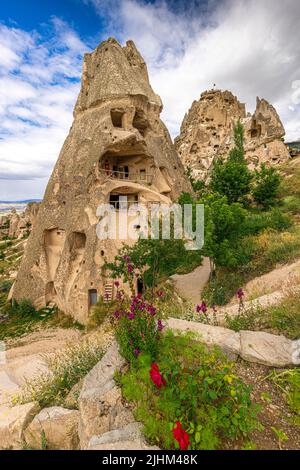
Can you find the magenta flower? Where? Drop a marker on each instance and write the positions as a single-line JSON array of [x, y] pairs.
[[131, 315], [160, 326], [201, 308], [137, 352], [117, 314], [151, 310], [240, 293], [130, 268]]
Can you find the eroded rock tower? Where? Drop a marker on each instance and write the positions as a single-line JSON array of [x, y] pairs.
[[117, 146]]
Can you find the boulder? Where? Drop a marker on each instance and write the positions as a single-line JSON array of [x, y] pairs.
[[127, 438], [13, 421], [100, 401], [54, 428], [227, 340], [265, 348]]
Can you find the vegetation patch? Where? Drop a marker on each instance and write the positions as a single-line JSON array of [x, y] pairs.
[[66, 369], [190, 398]]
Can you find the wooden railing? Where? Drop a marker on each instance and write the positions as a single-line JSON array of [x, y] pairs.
[[127, 176]]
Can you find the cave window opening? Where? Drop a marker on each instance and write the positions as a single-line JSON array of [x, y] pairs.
[[92, 297], [140, 285], [117, 118]]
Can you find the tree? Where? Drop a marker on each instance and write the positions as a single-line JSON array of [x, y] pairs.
[[266, 185], [222, 230], [232, 178]]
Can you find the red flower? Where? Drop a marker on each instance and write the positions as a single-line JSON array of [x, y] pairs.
[[156, 377], [181, 436]]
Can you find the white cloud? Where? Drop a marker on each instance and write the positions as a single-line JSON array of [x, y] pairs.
[[39, 83], [246, 46]]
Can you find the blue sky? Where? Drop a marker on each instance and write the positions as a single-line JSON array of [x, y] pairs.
[[248, 46]]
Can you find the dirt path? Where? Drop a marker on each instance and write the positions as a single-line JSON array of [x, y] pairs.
[[23, 358], [191, 285]]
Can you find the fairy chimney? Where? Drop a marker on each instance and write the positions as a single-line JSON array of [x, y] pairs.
[[117, 146], [207, 132]]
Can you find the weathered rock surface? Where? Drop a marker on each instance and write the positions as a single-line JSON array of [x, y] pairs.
[[226, 339], [100, 401], [127, 438], [207, 132], [117, 146], [13, 422], [55, 428], [19, 224], [264, 348], [253, 346]]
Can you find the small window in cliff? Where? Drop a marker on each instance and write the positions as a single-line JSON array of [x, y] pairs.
[[117, 117], [93, 297], [140, 122], [255, 130]]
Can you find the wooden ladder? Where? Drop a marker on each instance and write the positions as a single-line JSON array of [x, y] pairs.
[[108, 292]]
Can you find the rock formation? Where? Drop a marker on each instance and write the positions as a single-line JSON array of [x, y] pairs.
[[19, 224], [207, 132], [117, 146]]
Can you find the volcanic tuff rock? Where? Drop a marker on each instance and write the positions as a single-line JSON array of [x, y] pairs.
[[17, 224], [207, 132], [117, 146]]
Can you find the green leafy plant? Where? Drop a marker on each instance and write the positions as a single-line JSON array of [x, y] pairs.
[[196, 387], [231, 177], [266, 185]]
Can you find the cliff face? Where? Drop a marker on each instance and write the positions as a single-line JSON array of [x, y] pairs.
[[207, 132], [117, 146]]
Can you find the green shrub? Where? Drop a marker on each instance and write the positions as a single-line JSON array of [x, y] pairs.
[[266, 185], [232, 178], [201, 391]]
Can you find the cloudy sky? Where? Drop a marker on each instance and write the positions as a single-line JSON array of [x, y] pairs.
[[250, 47]]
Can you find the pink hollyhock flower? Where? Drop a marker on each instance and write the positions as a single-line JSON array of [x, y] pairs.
[[240, 293], [181, 436], [137, 352], [156, 377], [201, 308]]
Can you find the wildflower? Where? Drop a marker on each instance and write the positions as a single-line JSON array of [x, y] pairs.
[[181, 436], [151, 310], [117, 314], [126, 258], [201, 308], [131, 315], [240, 293], [160, 326], [137, 352], [156, 377], [130, 268]]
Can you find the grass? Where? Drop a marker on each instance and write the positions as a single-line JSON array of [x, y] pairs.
[[282, 318], [269, 248], [288, 382], [66, 368], [23, 319]]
